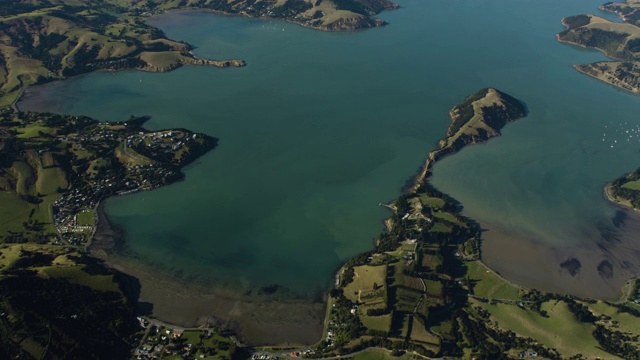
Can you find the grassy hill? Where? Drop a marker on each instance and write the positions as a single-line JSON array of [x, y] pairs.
[[55, 169], [475, 120], [618, 40], [57, 303], [45, 40]]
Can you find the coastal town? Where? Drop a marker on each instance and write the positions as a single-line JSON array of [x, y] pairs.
[[163, 151], [85, 162], [160, 341]]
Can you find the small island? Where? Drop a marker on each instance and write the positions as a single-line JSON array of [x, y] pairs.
[[619, 41]]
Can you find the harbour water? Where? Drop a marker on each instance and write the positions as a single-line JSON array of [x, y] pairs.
[[321, 127]]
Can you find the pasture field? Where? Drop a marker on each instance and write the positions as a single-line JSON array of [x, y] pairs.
[[77, 275], [448, 217], [488, 284], [440, 227], [432, 202], [86, 218], [560, 330], [13, 212], [434, 288], [621, 321], [632, 185], [431, 261], [406, 299], [421, 334], [380, 354], [380, 323], [369, 286]]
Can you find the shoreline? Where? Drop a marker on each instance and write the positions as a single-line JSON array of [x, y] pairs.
[[257, 320], [606, 80], [378, 22], [625, 204], [563, 22], [518, 259], [607, 76]]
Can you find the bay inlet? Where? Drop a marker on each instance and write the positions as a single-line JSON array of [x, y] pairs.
[[320, 128]]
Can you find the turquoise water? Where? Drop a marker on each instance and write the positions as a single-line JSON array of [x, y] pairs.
[[321, 127]]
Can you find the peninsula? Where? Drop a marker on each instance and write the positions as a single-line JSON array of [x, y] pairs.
[[54, 171], [477, 119], [625, 190], [423, 291], [619, 41], [46, 40], [393, 295]]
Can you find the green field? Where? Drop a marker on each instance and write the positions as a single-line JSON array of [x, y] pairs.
[[381, 323], [448, 217], [431, 261], [432, 202], [369, 286], [632, 185], [380, 354], [23, 175], [130, 157], [406, 299], [30, 177], [86, 218], [50, 179], [560, 330], [13, 212], [10, 253], [488, 284], [421, 334], [433, 287], [77, 275], [625, 321], [33, 130], [440, 227]]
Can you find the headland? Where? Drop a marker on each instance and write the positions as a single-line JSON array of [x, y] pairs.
[[617, 40]]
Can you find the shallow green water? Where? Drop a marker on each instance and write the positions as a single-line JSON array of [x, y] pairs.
[[321, 127]]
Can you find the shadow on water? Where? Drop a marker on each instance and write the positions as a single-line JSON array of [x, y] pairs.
[[619, 218]]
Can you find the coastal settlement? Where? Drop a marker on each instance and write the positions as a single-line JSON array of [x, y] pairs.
[[617, 40]]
